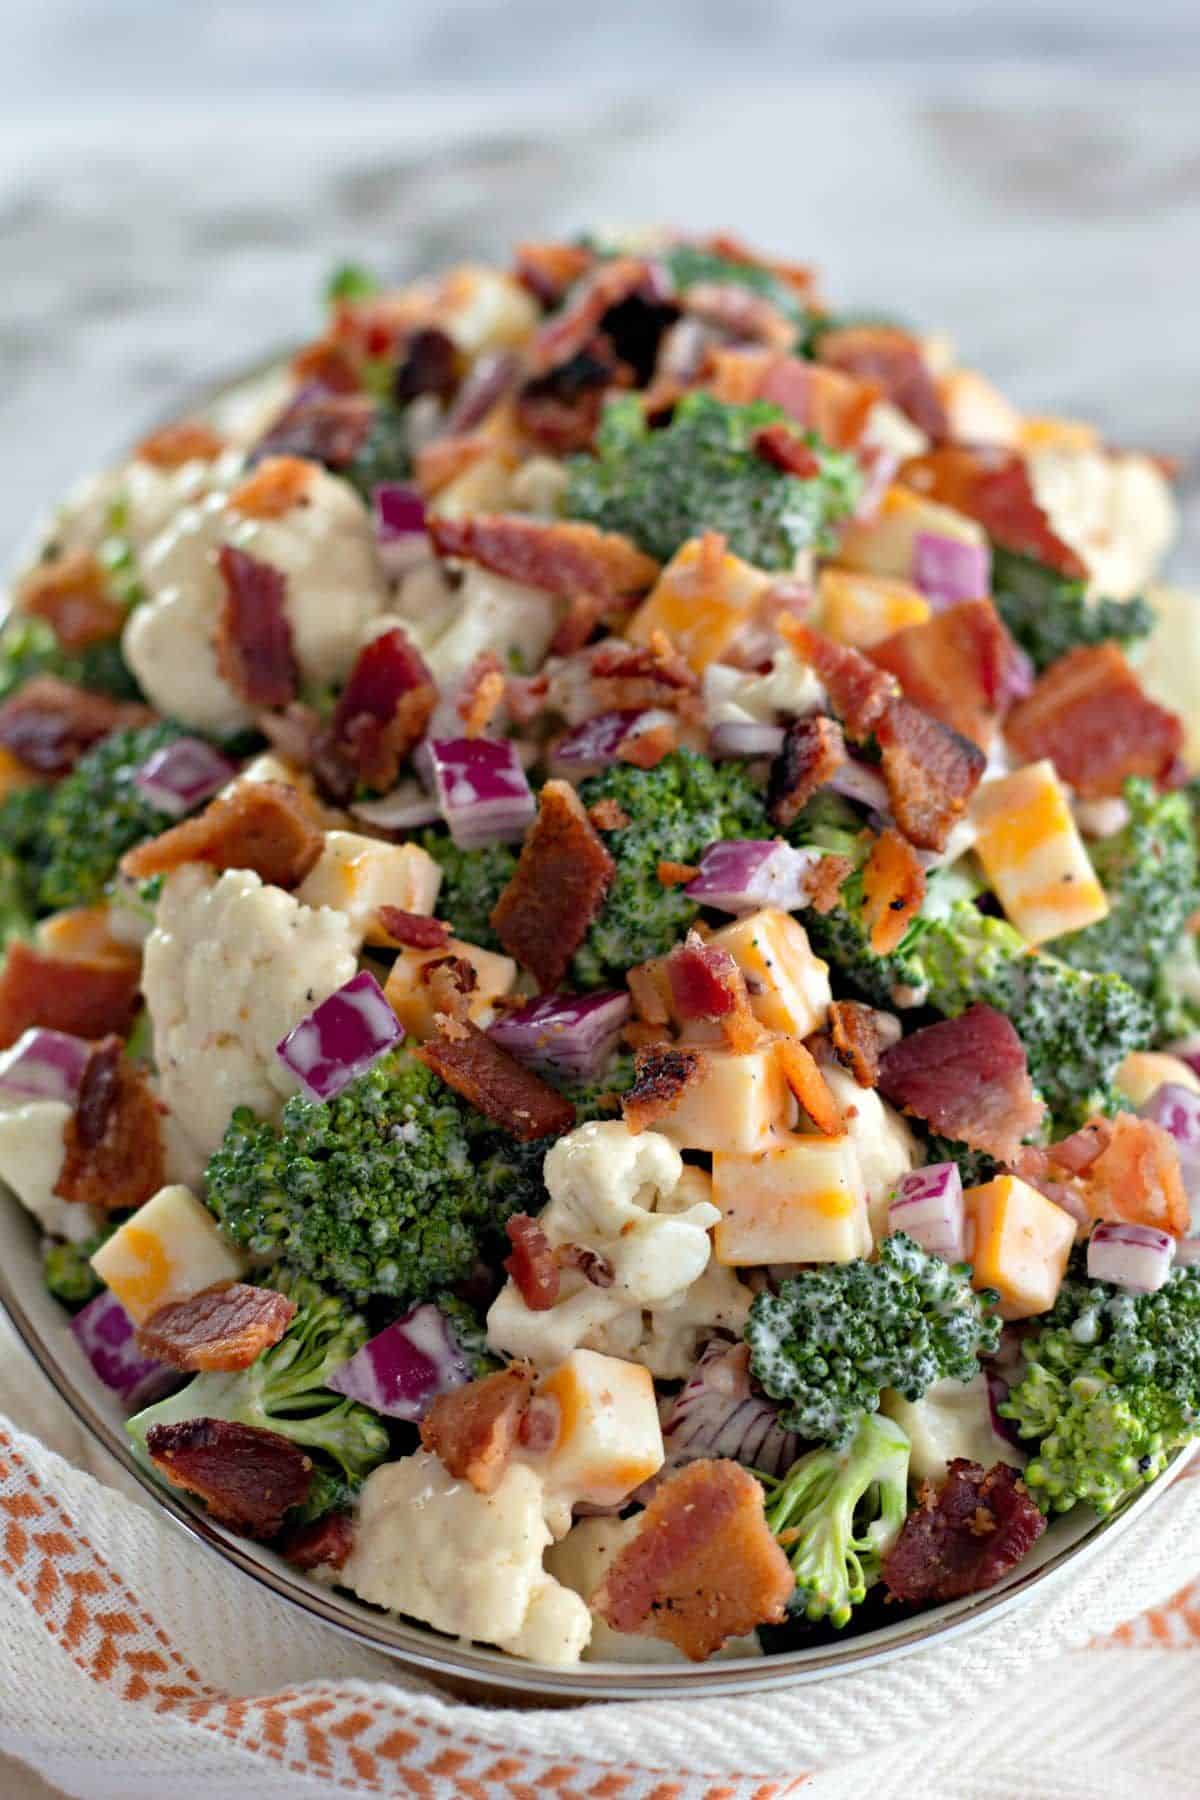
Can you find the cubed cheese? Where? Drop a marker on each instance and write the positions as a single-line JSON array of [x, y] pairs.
[[801, 1201], [787, 982], [737, 1104], [977, 412], [169, 1249], [703, 599], [1034, 857], [1021, 1244], [862, 610], [884, 545], [606, 1434], [1145, 1070], [357, 875], [885, 1145], [409, 996], [31, 1158]]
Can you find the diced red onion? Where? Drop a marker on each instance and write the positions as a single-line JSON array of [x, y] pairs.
[[741, 874], [594, 744], [1187, 1050], [489, 380], [1134, 1257], [573, 1033], [481, 789], [108, 1338], [1177, 1109], [406, 807], [928, 1206], [745, 737], [946, 570], [44, 1065], [341, 1038], [400, 534], [879, 466], [860, 781], [403, 1369], [717, 1413], [182, 774]]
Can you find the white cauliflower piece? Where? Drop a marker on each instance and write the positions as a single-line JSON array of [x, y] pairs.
[[150, 497], [31, 1159], [469, 1564], [885, 1146], [230, 967], [607, 1187], [452, 625], [1116, 511], [789, 689]]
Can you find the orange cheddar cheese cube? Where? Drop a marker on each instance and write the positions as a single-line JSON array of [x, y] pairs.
[[1021, 1244], [168, 1250], [703, 600], [1035, 859], [787, 981], [862, 610], [885, 544], [600, 1419], [802, 1200], [410, 997]]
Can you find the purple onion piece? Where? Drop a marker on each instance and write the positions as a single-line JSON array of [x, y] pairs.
[[1177, 1109], [741, 874], [997, 1391], [947, 570], [341, 1038], [108, 1338], [928, 1206], [44, 1065], [489, 380], [403, 1369], [573, 1033], [400, 534], [182, 774], [482, 790], [594, 744], [406, 807], [731, 738], [1135, 1257], [861, 782], [717, 1413]]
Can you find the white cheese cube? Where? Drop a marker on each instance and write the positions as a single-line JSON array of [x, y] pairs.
[[737, 1104], [952, 1418], [168, 1250], [786, 980], [885, 544], [802, 1201], [357, 875], [31, 1158], [1034, 857], [883, 1142]]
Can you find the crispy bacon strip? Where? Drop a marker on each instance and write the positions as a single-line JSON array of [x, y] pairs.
[[596, 294], [1077, 1153], [1136, 1177], [810, 1087], [826, 879], [557, 888], [646, 749], [858, 691], [381, 716], [894, 360], [931, 773], [319, 426], [496, 1084], [968, 1079], [893, 890], [547, 270], [247, 1477], [664, 1074], [706, 983], [473, 1429], [961, 666], [224, 1327], [255, 652], [834, 405], [324, 364], [560, 410], [275, 488], [1091, 716], [738, 313], [112, 1144], [813, 751], [634, 677], [703, 1567], [48, 724], [71, 594], [258, 825], [856, 1041], [779, 446], [86, 996], [559, 558], [965, 1536], [993, 486], [532, 1263], [482, 693], [322, 1543], [187, 440], [416, 930]]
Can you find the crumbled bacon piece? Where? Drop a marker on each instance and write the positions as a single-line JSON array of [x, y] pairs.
[[324, 364], [558, 557], [482, 694], [834, 405], [473, 1429], [381, 716], [71, 594], [416, 930], [595, 295], [893, 359], [664, 1074], [670, 874], [258, 825], [993, 487], [646, 748], [607, 814], [532, 1263], [249, 1478], [321, 1543], [963, 1539], [1136, 1179], [854, 1032], [255, 652], [634, 677], [496, 1084], [560, 410], [893, 889], [557, 888], [276, 487], [968, 1079], [961, 666], [48, 724], [706, 983], [780, 446], [813, 751], [810, 1087], [825, 881], [547, 270], [739, 313], [112, 1145], [858, 691], [1091, 716], [703, 1566], [429, 365], [319, 426], [87, 996], [187, 440], [446, 457], [931, 773], [223, 1327]]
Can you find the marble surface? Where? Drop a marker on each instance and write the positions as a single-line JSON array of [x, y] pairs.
[[1052, 223]]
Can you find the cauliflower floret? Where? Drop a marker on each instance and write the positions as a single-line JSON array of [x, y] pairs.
[[1115, 511], [230, 967], [607, 1188], [452, 625], [469, 1564], [31, 1157], [885, 1146], [789, 689], [952, 1418]]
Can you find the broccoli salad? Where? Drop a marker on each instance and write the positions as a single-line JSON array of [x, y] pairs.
[[599, 1009]]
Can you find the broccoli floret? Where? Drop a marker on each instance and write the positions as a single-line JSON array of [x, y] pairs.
[[837, 1513], [67, 1270], [285, 1390], [1148, 870], [833, 1337], [22, 853], [28, 647], [97, 814], [1111, 1388], [372, 1193], [701, 473], [1049, 615], [675, 811], [349, 281], [472, 882]]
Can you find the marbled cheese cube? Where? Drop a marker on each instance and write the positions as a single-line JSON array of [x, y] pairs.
[[787, 981], [884, 545], [607, 1438], [409, 996], [1021, 1244], [803, 1200], [862, 610], [1033, 855], [357, 875], [169, 1249], [703, 599], [737, 1104]]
